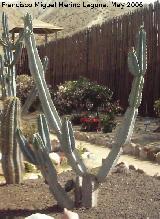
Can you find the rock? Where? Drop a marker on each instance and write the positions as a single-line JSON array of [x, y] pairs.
[[129, 148], [143, 153], [39, 216], [100, 141], [140, 171], [69, 215], [137, 150], [152, 151], [132, 167], [121, 168], [158, 157], [92, 139], [55, 158], [81, 136], [157, 176]]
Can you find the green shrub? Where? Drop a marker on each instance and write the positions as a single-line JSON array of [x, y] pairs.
[[81, 95], [29, 168], [29, 129], [24, 85]]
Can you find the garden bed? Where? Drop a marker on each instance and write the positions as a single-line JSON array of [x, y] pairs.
[[145, 142], [131, 195]]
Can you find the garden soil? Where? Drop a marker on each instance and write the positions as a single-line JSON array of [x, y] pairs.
[[121, 196]]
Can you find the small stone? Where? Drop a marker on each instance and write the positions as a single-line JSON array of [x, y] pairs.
[[121, 168], [132, 167], [129, 149], [143, 153], [157, 176], [137, 150], [100, 141], [140, 171], [92, 139]]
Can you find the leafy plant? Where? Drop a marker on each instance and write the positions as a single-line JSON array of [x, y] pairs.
[[81, 95], [29, 129], [24, 85], [90, 124], [108, 123]]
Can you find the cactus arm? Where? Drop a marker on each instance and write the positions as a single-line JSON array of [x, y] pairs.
[[9, 56], [3, 43], [25, 147], [125, 131], [33, 93], [141, 50], [17, 54], [133, 62], [31, 97], [37, 72], [5, 27], [68, 146], [3, 78], [49, 173], [44, 132]]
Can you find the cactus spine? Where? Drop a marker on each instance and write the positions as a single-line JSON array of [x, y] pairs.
[[86, 183], [11, 154]]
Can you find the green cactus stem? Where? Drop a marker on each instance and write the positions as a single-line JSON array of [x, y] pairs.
[[11, 54], [86, 183], [37, 71], [34, 92], [137, 63], [11, 154], [3, 78]]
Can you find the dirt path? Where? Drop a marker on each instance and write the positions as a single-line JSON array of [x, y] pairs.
[[100, 152]]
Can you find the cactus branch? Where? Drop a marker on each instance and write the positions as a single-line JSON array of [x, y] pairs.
[[68, 146], [37, 72], [125, 131], [49, 173]]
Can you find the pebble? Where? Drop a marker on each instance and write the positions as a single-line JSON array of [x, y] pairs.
[[140, 171], [129, 148]]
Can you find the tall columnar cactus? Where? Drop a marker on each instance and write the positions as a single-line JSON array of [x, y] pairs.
[[11, 53], [11, 154], [86, 184], [10, 118]]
